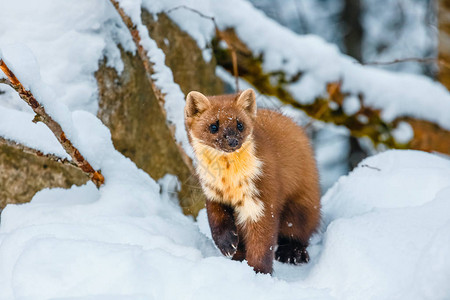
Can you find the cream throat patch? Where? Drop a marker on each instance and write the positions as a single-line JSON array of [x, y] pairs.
[[229, 177]]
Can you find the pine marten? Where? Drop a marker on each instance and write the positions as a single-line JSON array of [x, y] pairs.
[[257, 170]]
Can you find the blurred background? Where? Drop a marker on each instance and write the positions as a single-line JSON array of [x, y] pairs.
[[373, 32]]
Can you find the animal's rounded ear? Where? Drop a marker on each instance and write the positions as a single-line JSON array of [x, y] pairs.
[[196, 103], [247, 101]]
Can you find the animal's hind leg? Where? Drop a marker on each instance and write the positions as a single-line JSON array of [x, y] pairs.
[[297, 223], [291, 251]]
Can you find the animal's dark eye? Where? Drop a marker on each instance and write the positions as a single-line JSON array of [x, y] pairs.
[[240, 126], [213, 128]]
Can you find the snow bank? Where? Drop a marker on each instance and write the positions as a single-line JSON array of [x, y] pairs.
[[384, 236]]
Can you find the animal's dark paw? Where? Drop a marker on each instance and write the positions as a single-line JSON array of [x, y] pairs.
[[227, 242], [292, 254]]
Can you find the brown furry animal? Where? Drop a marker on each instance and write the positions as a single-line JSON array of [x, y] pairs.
[[257, 170]]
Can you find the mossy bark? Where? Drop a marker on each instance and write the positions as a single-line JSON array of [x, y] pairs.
[[23, 174], [183, 56]]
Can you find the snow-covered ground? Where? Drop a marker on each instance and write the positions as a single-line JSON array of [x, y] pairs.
[[385, 226], [384, 236]]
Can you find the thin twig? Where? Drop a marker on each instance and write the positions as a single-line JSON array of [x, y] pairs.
[[148, 66], [54, 126], [425, 60], [192, 10], [370, 167], [33, 151], [220, 35]]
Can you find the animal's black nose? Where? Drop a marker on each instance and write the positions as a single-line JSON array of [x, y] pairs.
[[233, 143]]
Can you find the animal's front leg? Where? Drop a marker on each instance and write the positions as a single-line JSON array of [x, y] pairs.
[[261, 240], [223, 227]]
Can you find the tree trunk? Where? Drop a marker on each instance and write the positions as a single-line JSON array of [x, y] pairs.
[[444, 41], [352, 28]]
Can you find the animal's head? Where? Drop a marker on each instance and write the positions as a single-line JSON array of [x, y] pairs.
[[223, 122]]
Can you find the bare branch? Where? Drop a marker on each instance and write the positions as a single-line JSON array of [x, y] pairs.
[[194, 11], [150, 71], [28, 97], [425, 60], [33, 151], [370, 167]]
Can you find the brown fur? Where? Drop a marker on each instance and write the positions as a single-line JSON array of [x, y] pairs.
[[261, 182]]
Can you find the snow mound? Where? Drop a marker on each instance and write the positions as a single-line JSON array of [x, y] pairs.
[[393, 179], [385, 236], [380, 225]]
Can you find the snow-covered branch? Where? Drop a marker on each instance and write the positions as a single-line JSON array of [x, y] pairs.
[[55, 127]]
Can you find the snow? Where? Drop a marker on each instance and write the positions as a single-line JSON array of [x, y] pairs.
[[68, 39], [387, 38], [403, 133], [17, 126], [351, 105], [125, 241], [21, 61], [68, 72], [391, 29]]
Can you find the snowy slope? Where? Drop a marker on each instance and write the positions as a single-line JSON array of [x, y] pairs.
[[385, 236], [385, 226]]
